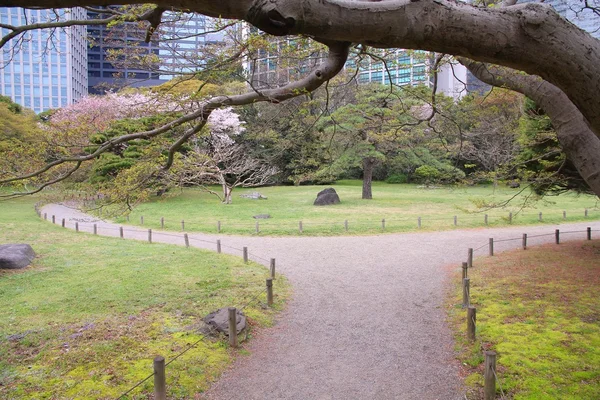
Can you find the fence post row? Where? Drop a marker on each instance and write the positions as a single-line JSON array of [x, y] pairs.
[[489, 376], [160, 384], [269, 292]]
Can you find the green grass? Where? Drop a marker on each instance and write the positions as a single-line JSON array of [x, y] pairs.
[[399, 205], [87, 318], [540, 311]]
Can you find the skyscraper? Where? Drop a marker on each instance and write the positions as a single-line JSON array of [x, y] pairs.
[[43, 69]]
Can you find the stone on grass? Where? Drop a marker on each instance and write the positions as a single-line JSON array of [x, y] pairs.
[[254, 196], [513, 184], [327, 197], [219, 320], [262, 216], [15, 256]]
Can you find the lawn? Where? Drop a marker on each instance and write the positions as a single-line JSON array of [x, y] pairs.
[[399, 205], [87, 318], [540, 311]]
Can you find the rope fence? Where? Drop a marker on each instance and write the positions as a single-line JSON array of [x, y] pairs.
[[491, 380]]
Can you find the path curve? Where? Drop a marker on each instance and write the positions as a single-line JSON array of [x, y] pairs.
[[366, 320]]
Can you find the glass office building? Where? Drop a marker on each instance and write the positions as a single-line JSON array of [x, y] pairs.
[[42, 69]]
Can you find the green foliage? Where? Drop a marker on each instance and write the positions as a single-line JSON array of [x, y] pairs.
[[427, 174], [11, 105], [397, 178]]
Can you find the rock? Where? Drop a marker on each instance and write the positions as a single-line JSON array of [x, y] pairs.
[[254, 196], [15, 256], [219, 320], [514, 185], [327, 197], [262, 216]]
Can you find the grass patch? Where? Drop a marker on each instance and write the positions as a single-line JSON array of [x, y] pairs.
[[399, 205], [87, 318], [540, 311]]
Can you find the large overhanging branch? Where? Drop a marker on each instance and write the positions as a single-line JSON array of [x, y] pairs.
[[577, 140], [528, 37], [332, 65]]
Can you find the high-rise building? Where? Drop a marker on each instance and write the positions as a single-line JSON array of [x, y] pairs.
[[119, 55], [43, 69]]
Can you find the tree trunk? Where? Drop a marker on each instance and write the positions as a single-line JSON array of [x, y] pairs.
[[577, 140], [226, 193], [368, 165]]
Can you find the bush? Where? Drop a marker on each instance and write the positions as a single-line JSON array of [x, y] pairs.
[[427, 173], [397, 178]]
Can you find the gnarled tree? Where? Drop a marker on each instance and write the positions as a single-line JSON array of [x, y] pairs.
[[526, 37]]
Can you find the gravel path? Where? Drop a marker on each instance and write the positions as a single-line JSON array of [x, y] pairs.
[[366, 320]]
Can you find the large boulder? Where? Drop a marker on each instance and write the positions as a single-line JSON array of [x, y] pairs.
[[327, 197], [219, 320], [15, 256]]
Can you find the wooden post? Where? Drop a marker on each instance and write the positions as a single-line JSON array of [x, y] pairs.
[[218, 245], [491, 246], [76, 226], [272, 268], [524, 241], [589, 233], [455, 220], [162, 222], [218, 226], [53, 219], [245, 251], [510, 217], [586, 213], [127, 217], [557, 236], [470, 258], [489, 376], [540, 217], [95, 229], [233, 342], [485, 219], [465, 270], [300, 226], [466, 296], [269, 292], [471, 321], [63, 223], [121, 235], [46, 216], [142, 220], [419, 222], [564, 215], [160, 382], [186, 239], [383, 224], [149, 235], [257, 228], [346, 225], [182, 225]]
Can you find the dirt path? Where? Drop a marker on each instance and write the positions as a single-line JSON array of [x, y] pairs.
[[366, 320]]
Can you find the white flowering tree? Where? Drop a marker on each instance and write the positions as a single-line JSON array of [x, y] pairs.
[[220, 160]]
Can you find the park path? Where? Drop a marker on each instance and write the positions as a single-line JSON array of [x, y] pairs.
[[366, 320]]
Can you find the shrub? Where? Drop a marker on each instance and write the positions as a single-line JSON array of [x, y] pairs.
[[397, 178]]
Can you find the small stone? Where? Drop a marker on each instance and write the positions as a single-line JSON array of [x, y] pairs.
[[262, 216], [219, 320]]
